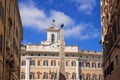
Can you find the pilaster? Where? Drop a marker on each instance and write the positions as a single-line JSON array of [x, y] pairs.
[[27, 68]]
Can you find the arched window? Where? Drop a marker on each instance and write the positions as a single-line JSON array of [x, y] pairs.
[[88, 77], [31, 75], [53, 63], [23, 63], [73, 63], [73, 75], [22, 75], [45, 75], [45, 62], [38, 75], [53, 38]]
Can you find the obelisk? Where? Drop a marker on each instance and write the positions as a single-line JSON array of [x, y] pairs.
[[62, 55]]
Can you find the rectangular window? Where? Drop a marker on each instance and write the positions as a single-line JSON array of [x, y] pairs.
[[73, 63], [53, 63], [0, 42], [32, 62], [93, 65], [81, 64], [99, 65], [66, 63], [45, 62], [23, 63], [87, 64]]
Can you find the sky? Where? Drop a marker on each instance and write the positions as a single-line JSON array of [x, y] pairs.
[[81, 20]]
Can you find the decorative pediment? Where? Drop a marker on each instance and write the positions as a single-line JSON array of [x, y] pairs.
[[52, 28]]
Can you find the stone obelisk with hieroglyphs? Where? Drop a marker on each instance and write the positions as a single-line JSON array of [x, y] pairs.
[[62, 55]]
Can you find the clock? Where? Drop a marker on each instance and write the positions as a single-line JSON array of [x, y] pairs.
[[53, 46]]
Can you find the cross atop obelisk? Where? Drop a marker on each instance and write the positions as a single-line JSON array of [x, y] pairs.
[[62, 55]]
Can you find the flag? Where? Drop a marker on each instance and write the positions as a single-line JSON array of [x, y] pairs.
[[50, 74]]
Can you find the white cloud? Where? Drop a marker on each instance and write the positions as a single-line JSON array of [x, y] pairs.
[[82, 31], [86, 6], [37, 18]]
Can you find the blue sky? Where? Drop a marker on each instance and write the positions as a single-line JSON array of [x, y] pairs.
[[81, 19]]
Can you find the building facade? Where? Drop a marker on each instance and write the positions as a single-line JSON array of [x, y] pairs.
[[42, 62], [110, 18], [10, 40]]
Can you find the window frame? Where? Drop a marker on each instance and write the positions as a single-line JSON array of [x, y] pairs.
[[23, 63], [45, 63], [73, 63], [53, 63]]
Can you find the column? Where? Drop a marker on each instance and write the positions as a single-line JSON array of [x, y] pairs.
[[27, 68], [62, 56], [77, 69]]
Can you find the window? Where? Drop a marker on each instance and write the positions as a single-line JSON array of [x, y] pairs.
[[23, 63], [22, 75], [73, 75], [31, 75], [53, 63], [81, 77], [31, 54], [38, 62], [66, 75], [66, 63], [99, 65], [94, 65], [99, 77], [94, 77], [45, 75], [0, 42], [87, 64], [81, 64], [87, 77], [53, 38], [73, 63], [38, 75], [45, 62], [53, 75], [32, 62], [116, 60]]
